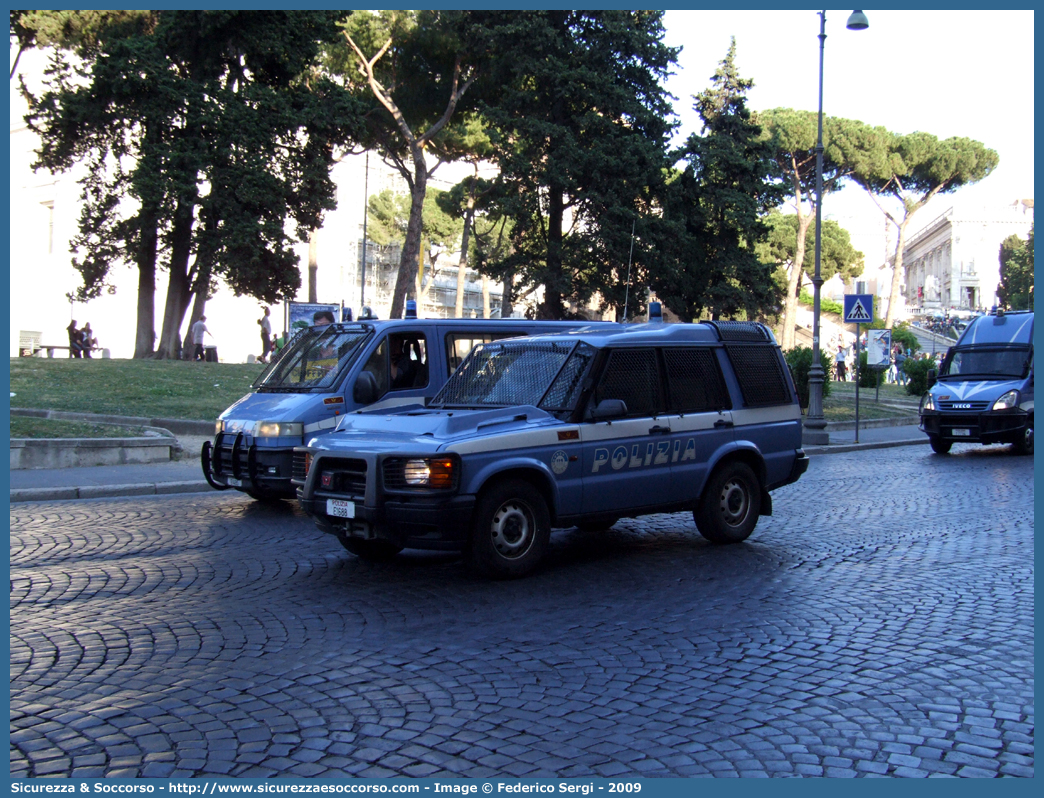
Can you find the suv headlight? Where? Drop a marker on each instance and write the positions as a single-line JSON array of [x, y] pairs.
[[278, 429], [927, 402], [1007, 401], [425, 473]]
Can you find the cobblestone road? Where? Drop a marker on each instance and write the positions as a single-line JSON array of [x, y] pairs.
[[881, 622]]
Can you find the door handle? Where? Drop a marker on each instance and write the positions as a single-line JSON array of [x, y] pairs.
[[658, 430], [722, 424]]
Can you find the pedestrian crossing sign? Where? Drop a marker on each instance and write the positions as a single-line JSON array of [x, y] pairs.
[[859, 308]]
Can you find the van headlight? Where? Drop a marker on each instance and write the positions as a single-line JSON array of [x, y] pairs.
[[425, 473], [927, 402], [278, 429], [1007, 401]]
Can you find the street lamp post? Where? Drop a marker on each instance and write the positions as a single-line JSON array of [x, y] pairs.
[[815, 425]]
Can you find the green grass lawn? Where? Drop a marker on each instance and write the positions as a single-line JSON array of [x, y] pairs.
[[151, 388], [26, 427], [892, 401], [201, 391]]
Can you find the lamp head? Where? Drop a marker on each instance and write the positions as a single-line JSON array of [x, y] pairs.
[[858, 21]]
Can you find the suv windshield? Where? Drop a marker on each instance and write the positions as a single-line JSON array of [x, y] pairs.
[[315, 360], [518, 373], [987, 363]]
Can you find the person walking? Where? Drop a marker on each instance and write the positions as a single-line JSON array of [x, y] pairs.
[[900, 367], [266, 335], [839, 364], [199, 329]]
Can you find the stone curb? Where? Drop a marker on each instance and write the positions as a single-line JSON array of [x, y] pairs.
[[109, 491], [874, 423], [858, 447], [172, 426]]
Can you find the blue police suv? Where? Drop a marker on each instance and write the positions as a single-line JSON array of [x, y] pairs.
[[579, 428]]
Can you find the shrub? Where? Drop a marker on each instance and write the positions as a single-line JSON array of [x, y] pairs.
[[869, 378], [901, 335], [800, 361], [917, 375]]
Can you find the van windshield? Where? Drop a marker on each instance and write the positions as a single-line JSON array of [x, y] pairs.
[[315, 360], [518, 373], [988, 363]]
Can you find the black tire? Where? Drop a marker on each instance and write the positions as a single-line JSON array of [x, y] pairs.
[[370, 550], [939, 446], [597, 526], [268, 497], [729, 508], [511, 531], [1024, 445]]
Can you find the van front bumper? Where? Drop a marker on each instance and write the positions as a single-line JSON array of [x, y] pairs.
[[231, 462], [1004, 426]]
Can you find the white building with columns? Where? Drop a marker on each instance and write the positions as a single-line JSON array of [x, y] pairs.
[[953, 262]]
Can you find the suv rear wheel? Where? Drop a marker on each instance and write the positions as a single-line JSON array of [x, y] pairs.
[[512, 530], [729, 508]]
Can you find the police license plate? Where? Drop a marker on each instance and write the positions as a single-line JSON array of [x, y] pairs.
[[960, 432], [340, 508], [235, 483]]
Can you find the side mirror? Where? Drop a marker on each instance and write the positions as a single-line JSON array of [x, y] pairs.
[[365, 390], [609, 408], [932, 375]]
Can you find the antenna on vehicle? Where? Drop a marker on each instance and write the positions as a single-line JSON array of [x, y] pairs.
[[627, 293]]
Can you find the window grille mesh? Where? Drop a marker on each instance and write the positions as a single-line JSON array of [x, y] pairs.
[[760, 374], [740, 331], [632, 375], [566, 388], [695, 381], [505, 374]]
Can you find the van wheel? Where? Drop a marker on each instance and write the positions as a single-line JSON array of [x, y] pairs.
[[511, 532], [1024, 445], [939, 446], [728, 510], [370, 550], [265, 496]]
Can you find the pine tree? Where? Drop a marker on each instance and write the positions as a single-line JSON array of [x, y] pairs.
[[728, 184]]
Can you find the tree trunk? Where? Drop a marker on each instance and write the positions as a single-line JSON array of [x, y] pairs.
[[313, 265], [553, 306], [506, 308], [462, 264], [411, 246], [897, 272], [179, 286], [485, 297], [797, 268], [145, 335]]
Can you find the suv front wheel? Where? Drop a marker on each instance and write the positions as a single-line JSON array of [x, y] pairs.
[[729, 508], [512, 530]]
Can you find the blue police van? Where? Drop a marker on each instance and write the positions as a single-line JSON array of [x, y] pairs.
[[578, 428], [329, 370], [983, 391]]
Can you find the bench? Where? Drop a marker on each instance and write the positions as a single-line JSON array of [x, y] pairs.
[[29, 345]]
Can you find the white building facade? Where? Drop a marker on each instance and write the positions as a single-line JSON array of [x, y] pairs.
[[953, 262]]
